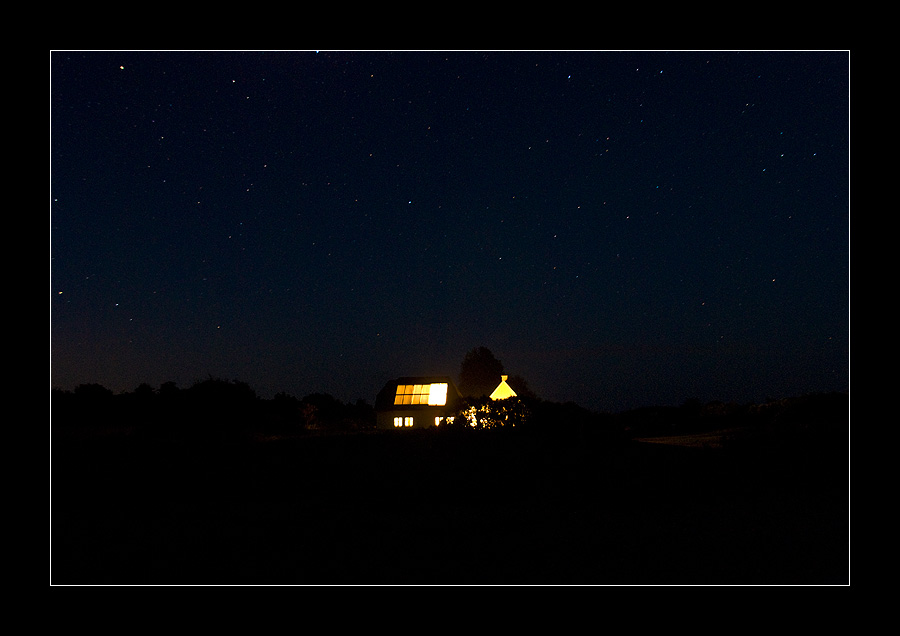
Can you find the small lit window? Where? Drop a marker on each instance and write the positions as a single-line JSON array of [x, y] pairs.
[[407, 421], [398, 421]]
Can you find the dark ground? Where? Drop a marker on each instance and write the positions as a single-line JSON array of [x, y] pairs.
[[435, 507]]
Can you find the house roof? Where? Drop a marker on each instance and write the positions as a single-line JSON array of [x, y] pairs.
[[387, 397], [503, 390]]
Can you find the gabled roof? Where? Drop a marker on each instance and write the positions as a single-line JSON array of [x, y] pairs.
[[503, 390], [415, 385]]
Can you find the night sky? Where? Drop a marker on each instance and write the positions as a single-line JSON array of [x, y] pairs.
[[621, 229]]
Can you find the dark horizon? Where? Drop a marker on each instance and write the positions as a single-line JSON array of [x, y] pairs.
[[620, 229], [302, 395]]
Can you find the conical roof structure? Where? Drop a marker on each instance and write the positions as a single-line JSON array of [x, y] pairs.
[[503, 390]]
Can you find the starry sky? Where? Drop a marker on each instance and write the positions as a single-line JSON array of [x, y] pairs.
[[621, 229]]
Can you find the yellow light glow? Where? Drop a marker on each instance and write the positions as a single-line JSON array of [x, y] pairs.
[[438, 394], [503, 390], [434, 394]]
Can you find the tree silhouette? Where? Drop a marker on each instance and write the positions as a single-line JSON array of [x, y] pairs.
[[216, 405], [520, 386], [479, 373]]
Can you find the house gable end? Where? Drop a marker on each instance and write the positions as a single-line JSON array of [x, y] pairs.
[[416, 401]]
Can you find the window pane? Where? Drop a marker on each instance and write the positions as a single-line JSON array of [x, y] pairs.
[[438, 394]]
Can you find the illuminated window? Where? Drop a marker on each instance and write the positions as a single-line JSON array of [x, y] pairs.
[[434, 394], [407, 421], [398, 421], [438, 394], [403, 421]]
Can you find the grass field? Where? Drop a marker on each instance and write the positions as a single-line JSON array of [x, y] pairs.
[[428, 507], [706, 439]]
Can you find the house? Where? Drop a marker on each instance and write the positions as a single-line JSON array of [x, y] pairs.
[[416, 402], [503, 390]]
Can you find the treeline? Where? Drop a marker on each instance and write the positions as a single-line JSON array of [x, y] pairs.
[[811, 413], [216, 407], [212, 406], [222, 407]]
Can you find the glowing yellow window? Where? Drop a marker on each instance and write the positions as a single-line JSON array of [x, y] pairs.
[[434, 394], [438, 394], [401, 393]]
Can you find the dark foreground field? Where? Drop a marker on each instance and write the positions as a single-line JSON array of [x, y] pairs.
[[431, 507]]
